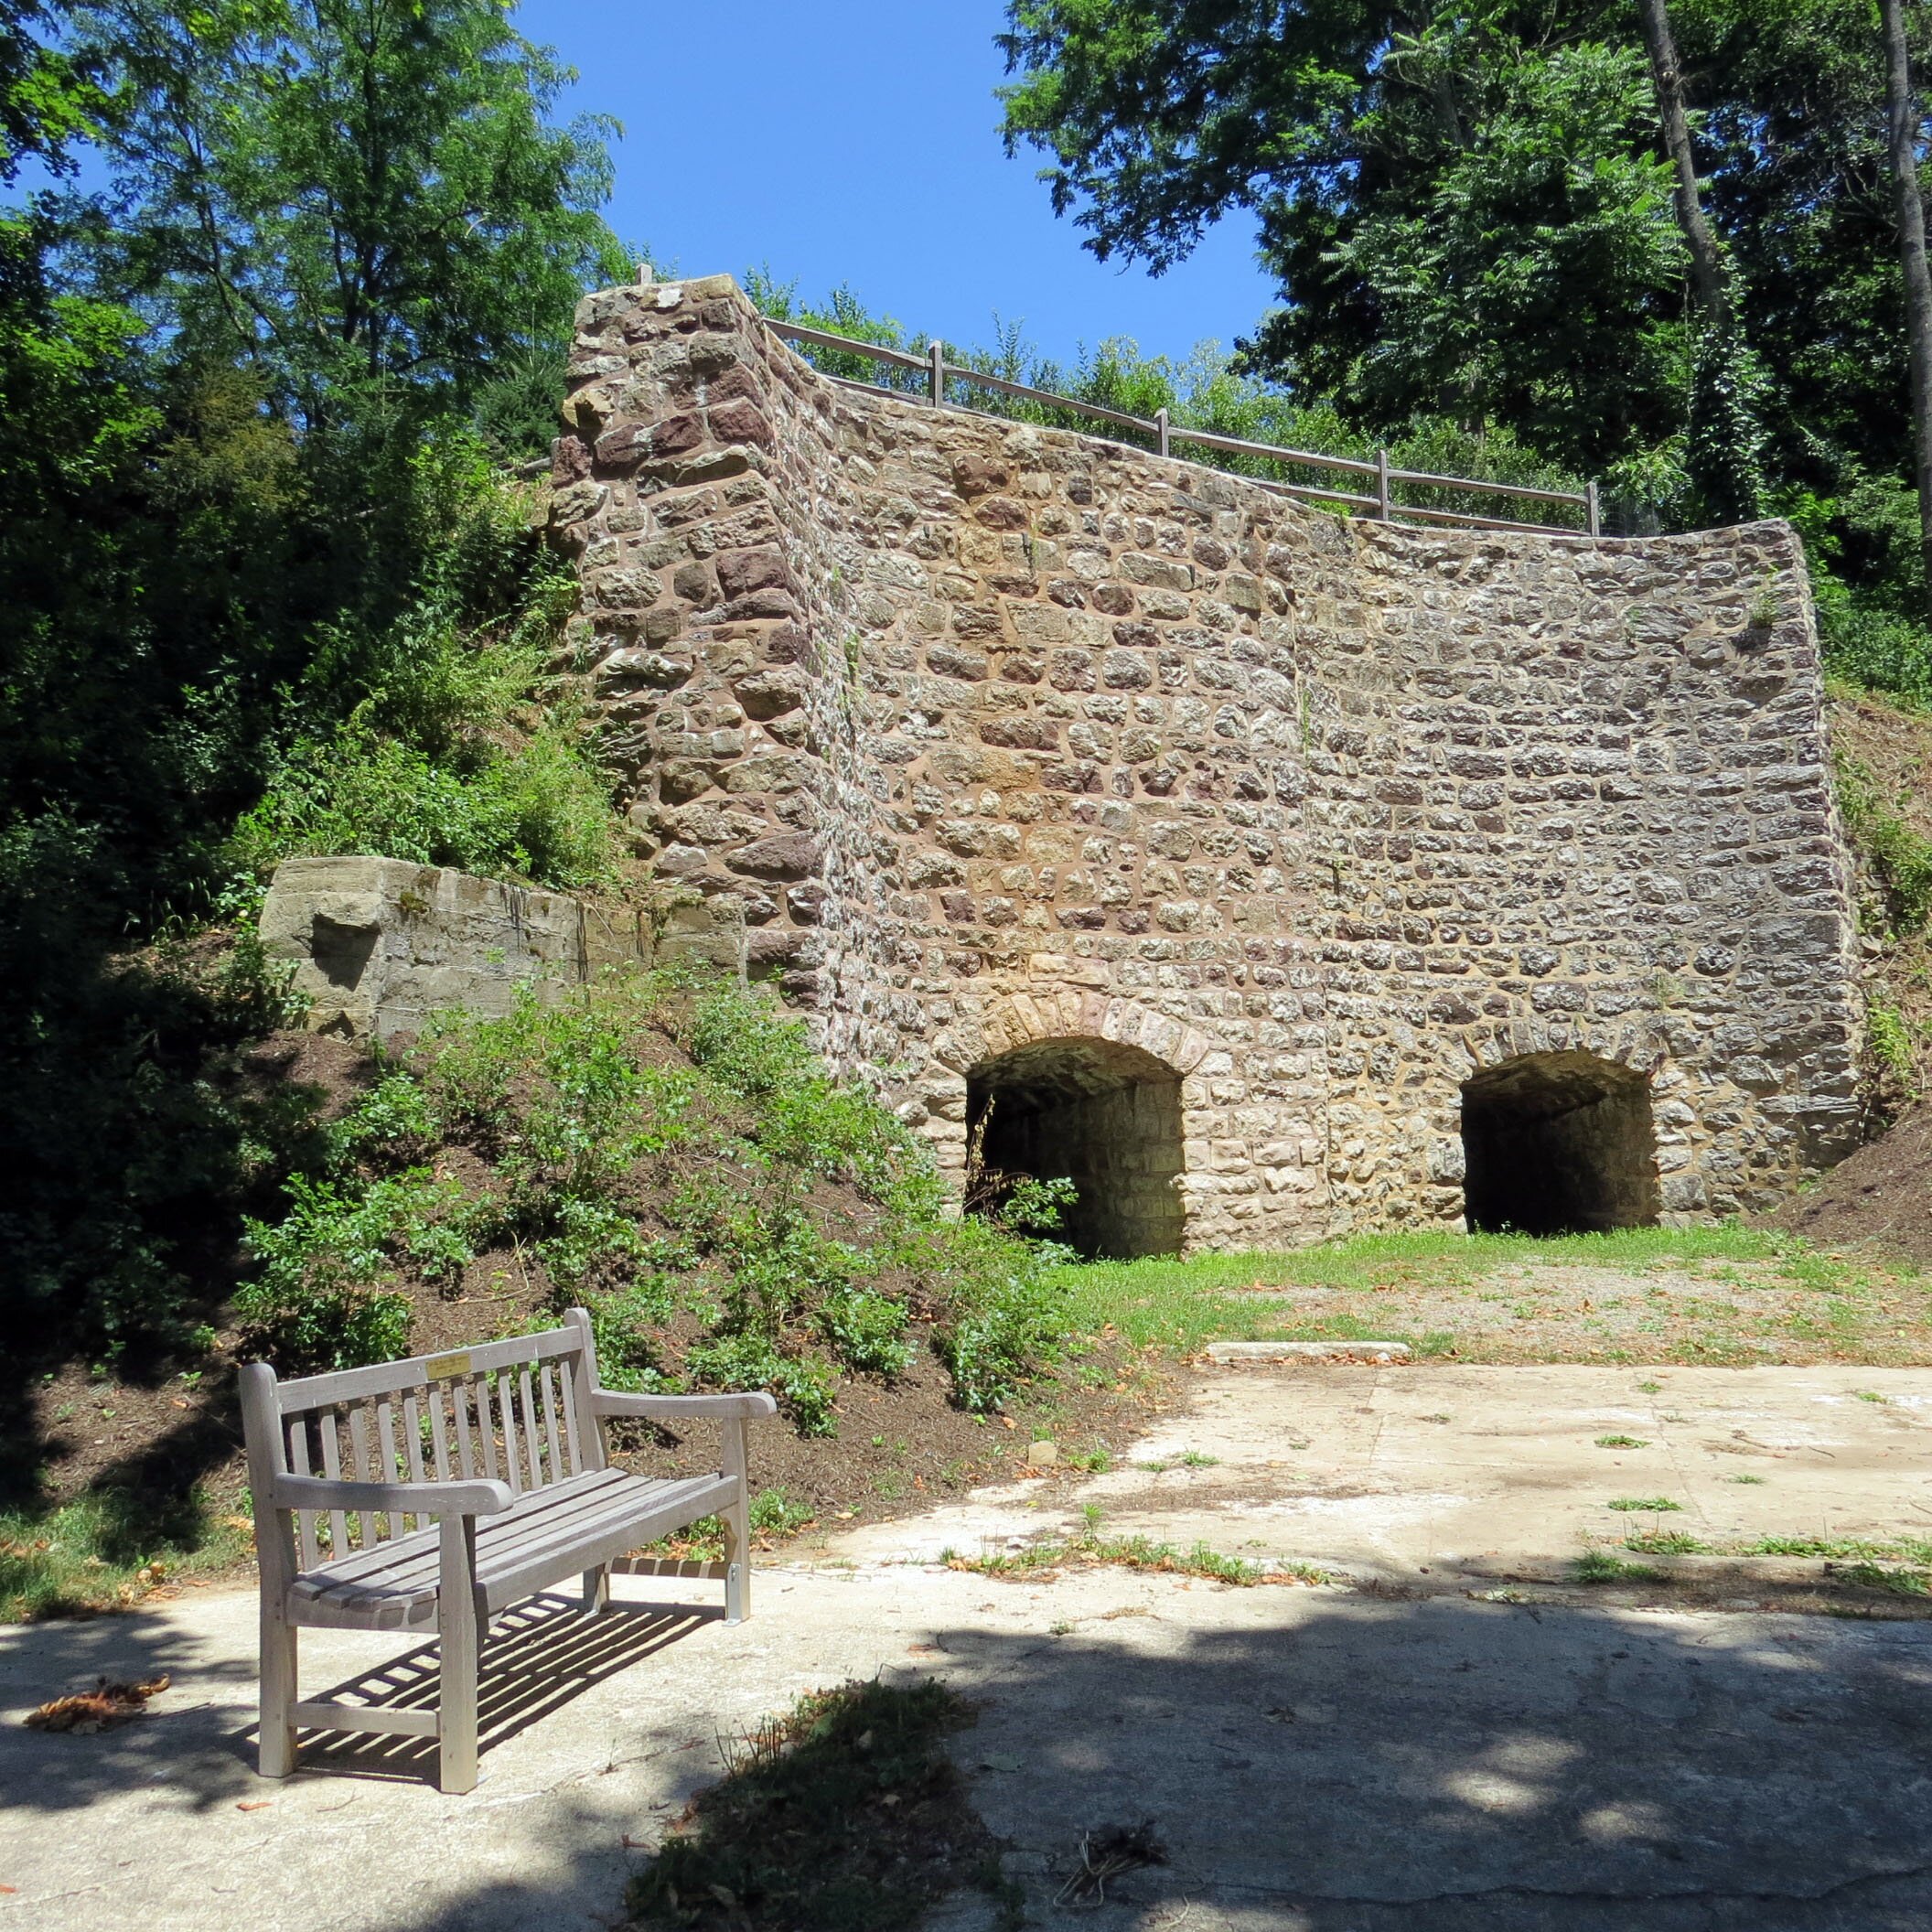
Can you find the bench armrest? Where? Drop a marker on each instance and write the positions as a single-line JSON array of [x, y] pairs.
[[609, 1401], [480, 1497]]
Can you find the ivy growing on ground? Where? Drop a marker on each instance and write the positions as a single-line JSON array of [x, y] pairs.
[[674, 1158]]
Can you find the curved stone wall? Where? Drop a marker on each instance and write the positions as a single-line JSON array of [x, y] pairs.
[[989, 735]]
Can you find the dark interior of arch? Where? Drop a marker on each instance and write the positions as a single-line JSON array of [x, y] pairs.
[[1105, 1116], [1557, 1143]]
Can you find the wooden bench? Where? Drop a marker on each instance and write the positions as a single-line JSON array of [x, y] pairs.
[[434, 1493]]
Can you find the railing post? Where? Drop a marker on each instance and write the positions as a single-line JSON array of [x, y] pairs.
[[937, 353], [1596, 522], [1381, 483], [1160, 429]]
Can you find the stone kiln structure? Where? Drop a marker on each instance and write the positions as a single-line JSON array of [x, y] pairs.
[[1272, 874]]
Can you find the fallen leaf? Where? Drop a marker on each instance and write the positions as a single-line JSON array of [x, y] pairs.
[[106, 1705], [255, 1804]]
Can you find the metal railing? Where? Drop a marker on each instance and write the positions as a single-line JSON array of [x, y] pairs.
[[1164, 434]]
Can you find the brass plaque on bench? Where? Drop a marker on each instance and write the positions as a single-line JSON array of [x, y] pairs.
[[437, 1367]]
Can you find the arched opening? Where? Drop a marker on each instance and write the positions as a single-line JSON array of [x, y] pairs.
[[1105, 1116], [1557, 1143]]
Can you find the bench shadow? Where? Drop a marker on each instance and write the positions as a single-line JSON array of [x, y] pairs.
[[536, 1657]]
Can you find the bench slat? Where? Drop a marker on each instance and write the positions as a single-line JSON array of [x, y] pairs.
[[532, 1441], [383, 1560], [388, 1468], [541, 1542], [547, 1383], [567, 1373], [486, 1429], [412, 1435], [507, 1423], [297, 1433], [331, 1420], [352, 1385], [459, 1408], [439, 1434], [367, 1521]]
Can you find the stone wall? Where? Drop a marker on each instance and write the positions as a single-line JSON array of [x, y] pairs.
[[991, 737]]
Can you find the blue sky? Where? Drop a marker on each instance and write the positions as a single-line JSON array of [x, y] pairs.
[[854, 141]]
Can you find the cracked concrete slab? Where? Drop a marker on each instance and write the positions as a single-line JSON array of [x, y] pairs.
[[1438, 1469], [1314, 1761]]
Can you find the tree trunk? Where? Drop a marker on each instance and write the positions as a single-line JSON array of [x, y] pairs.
[[1902, 121], [1706, 267]]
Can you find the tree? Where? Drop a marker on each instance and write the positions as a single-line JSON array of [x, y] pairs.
[[360, 200], [1707, 263], [1902, 125], [1463, 205]]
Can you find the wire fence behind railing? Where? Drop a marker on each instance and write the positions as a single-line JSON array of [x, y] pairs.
[[1162, 435]]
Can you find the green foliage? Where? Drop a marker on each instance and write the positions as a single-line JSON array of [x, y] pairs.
[[318, 1302], [1466, 215], [1898, 856], [1724, 436], [255, 567], [1888, 1034], [383, 225], [1037, 1206], [665, 1194], [1598, 1566]]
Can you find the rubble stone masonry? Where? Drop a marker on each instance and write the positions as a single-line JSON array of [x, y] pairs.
[[1007, 747]]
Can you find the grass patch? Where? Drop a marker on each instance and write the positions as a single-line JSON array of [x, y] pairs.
[[1131, 1552], [1664, 1543], [1875, 1576], [844, 1813], [1598, 1566], [1653, 1503], [106, 1552], [1621, 1442], [1842, 1549], [1435, 1291]]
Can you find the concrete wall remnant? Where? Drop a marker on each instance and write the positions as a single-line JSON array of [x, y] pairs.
[[379, 944], [986, 736]]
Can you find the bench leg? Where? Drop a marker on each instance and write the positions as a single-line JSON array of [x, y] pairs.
[[737, 1561], [596, 1589], [275, 1754], [460, 1644]]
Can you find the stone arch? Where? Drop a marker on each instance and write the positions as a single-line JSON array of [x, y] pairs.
[[1070, 1083], [1557, 1142], [1012, 1020]]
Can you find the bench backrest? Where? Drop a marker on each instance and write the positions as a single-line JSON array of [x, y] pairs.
[[517, 1411]]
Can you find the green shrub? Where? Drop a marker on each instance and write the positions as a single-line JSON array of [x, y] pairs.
[[865, 1331], [665, 1198], [441, 760], [319, 1302], [747, 1361]]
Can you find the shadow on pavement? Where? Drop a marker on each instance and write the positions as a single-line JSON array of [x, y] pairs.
[[1314, 1763]]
